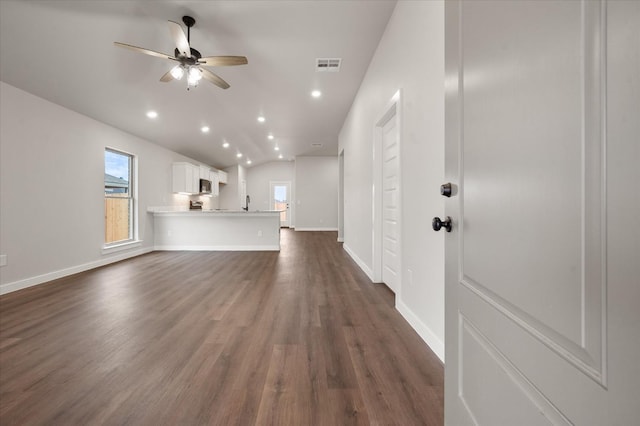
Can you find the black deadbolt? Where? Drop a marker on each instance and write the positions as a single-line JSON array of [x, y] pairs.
[[438, 224], [446, 189]]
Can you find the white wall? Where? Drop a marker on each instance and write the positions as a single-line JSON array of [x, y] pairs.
[[51, 189], [410, 57], [316, 193], [258, 184], [231, 193], [242, 190]]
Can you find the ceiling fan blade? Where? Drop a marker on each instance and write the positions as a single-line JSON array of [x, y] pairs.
[[167, 77], [180, 39], [145, 51], [208, 75], [220, 61]]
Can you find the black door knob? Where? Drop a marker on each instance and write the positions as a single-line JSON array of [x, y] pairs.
[[438, 224]]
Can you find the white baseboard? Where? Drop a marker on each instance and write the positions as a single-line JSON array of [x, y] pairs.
[[50, 276], [359, 262], [217, 248], [429, 337], [316, 229], [340, 240]]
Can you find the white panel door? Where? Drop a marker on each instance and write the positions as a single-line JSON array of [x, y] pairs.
[[542, 143], [390, 204]]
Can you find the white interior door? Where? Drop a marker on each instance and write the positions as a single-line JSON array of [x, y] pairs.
[[280, 195], [542, 138], [341, 197], [390, 204]]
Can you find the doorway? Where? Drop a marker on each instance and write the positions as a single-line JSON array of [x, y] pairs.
[[279, 196]]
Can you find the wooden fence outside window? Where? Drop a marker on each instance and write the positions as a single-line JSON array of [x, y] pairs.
[[116, 218]]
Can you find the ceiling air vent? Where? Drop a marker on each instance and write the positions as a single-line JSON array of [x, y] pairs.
[[316, 145], [328, 64]]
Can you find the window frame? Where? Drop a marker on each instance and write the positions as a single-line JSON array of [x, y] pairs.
[[132, 196]]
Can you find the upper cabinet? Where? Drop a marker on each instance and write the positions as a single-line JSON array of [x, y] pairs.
[[186, 178], [204, 172]]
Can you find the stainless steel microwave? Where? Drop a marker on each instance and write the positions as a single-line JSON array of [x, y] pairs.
[[205, 186]]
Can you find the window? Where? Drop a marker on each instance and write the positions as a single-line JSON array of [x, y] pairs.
[[118, 197]]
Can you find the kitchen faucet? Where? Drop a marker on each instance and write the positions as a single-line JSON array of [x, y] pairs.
[[247, 204]]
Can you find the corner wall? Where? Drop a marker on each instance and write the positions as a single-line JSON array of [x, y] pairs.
[[409, 57], [51, 189]]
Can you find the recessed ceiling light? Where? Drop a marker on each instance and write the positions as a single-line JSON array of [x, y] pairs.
[[205, 129], [239, 155], [270, 137], [261, 119], [225, 145], [280, 156], [316, 93], [152, 114], [276, 148], [248, 161]]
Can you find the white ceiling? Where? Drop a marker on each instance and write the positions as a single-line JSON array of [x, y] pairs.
[[63, 51]]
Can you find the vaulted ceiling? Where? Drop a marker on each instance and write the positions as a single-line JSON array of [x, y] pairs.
[[63, 51]]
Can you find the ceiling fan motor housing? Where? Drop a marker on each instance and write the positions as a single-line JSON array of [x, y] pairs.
[[195, 55]]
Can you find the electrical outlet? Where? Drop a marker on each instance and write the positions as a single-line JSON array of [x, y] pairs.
[[409, 277], [3, 259], [169, 233], [260, 233]]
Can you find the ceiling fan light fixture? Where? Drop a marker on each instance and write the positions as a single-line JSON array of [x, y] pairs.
[[194, 76], [177, 72]]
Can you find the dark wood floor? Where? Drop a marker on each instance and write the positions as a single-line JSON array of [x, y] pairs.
[[299, 337]]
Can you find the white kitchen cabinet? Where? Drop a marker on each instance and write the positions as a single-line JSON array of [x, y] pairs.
[[214, 177], [222, 176], [204, 172], [186, 178]]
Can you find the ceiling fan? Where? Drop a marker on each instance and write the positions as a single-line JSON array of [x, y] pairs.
[[190, 61]]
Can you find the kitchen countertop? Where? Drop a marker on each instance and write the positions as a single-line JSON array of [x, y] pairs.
[[168, 211]]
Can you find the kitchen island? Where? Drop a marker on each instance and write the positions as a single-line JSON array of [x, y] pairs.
[[216, 230]]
